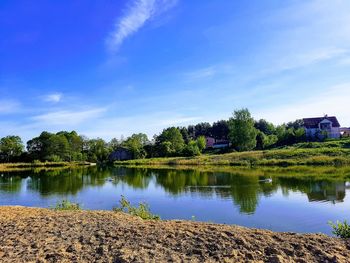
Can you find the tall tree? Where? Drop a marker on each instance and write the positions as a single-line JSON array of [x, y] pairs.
[[136, 143], [201, 143], [220, 130], [203, 128], [10, 147], [264, 126], [242, 132], [97, 150], [170, 142]]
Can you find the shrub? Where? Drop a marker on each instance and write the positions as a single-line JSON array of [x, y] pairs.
[[141, 211], [341, 229], [66, 205]]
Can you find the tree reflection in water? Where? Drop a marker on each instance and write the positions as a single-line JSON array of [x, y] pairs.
[[243, 186]]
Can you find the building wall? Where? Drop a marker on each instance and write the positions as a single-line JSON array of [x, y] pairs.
[[210, 142], [334, 132]]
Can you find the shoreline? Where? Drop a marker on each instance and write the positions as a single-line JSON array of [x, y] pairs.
[[8, 167], [265, 158], [39, 234]]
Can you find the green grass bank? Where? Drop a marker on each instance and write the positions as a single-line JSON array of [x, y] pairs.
[[25, 166], [330, 153]]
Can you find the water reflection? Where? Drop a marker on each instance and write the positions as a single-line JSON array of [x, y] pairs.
[[243, 186]]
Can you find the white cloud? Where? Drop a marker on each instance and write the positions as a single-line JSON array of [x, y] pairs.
[[138, 13], [8, 106], [209, 72], [150, 124], [333, 101], [68, 117], [53, 97], [201, 73], [305, 33]]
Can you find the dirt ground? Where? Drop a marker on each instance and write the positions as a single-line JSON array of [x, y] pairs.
[[42, 235]]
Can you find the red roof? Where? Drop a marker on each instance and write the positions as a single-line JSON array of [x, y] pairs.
[[313, 122]]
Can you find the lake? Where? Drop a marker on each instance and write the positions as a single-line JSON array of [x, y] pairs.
[[281, 199]]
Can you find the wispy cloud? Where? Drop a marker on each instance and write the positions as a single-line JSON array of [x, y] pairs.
[[209, 72], [332, 101], [8, 106], [201, 73], [316, 32], [70, 117], [138, 13], [53, 97], [150, 123]]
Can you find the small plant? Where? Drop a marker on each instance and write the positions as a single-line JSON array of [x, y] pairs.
[[142, 210], [66, 205], [340, 229]]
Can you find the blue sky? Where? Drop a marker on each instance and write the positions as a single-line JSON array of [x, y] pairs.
[[111, 68]]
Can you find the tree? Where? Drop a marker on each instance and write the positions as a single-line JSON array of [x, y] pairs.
[[265, 127], [170, 142], [10, 147], [57, 148], [62, 146], [242, 132], [203, 128], [191, 149], [201, 143], [297, 124], [220, 130], [264, 141], [185, 134], [97, 150], [136, 143], [114, 144]]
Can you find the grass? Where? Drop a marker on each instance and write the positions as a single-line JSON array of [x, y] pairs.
[[66, 205], [340, 229], [330, 153], [141, 211], [8, 167]]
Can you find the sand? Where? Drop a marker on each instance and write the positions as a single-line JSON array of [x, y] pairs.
[[43, 235]]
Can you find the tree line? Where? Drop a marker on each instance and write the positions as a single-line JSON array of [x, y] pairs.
[[241, 130]]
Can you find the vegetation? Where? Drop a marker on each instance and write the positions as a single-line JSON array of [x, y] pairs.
[[241, 131], [10, 148], [301, 154], [141, 211], [341, 229], [38, 164], [66, 205]]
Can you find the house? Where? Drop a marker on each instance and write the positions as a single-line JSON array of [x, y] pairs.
[[120, 154], [210, 142], [345, 132], [219, 144], [216, 144], [322, 127]]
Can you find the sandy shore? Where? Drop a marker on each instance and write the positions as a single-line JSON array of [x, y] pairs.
[[42, 235]]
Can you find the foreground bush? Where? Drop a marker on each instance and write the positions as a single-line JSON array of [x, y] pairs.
[[66, 205], [141, 211], [341, 229]]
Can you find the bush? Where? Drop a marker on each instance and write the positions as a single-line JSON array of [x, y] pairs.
[[341, 229], [66, 205], [141, 211]]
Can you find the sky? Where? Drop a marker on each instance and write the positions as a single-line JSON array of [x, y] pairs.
[[111, 68]]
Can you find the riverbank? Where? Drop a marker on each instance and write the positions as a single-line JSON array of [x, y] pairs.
[[8, 167], [42, 235], [292, 156]]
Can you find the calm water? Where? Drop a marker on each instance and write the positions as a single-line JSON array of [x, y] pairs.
[[280, 200]]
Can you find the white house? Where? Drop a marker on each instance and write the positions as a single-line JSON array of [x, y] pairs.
[[322, 126]]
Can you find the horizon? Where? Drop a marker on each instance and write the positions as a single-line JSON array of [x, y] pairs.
[[112, 69]]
